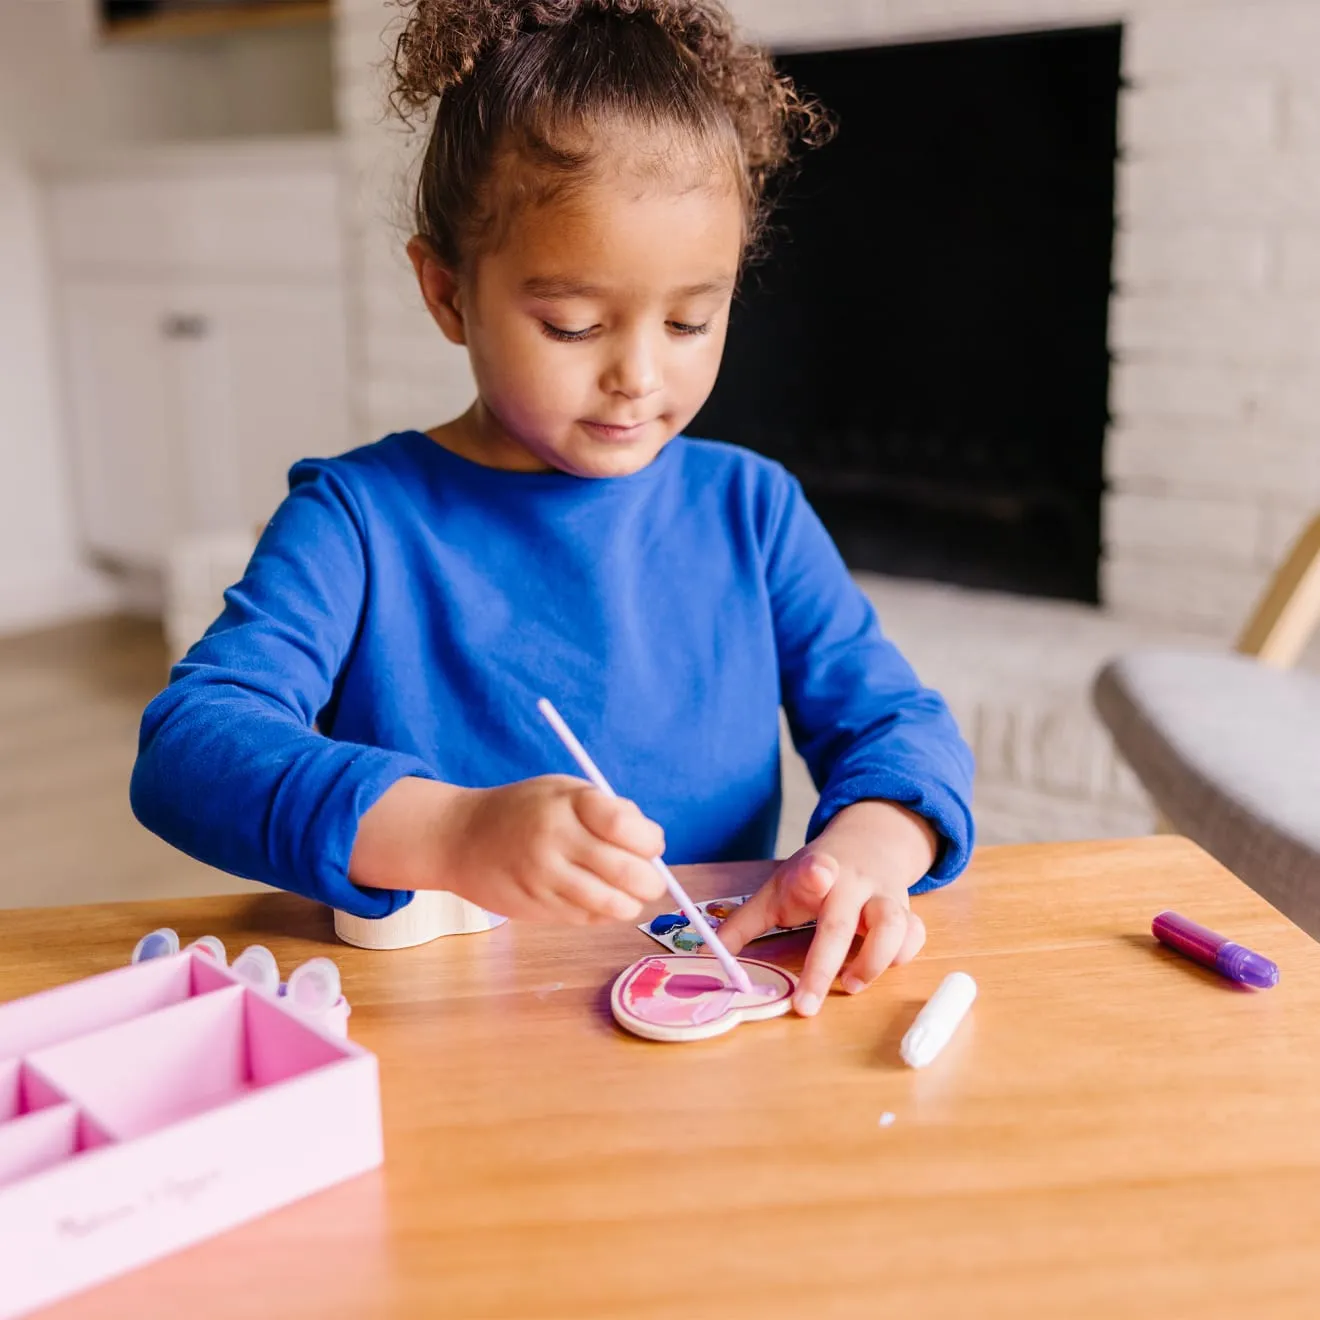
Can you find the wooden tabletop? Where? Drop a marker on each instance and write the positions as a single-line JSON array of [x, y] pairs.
[[1114, 1132]]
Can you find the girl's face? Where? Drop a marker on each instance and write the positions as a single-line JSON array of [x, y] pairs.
[[596, 329]]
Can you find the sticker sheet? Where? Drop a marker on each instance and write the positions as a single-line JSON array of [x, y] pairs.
[[673, 930]]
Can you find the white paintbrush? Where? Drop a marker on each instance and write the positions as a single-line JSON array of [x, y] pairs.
[[737, 973]]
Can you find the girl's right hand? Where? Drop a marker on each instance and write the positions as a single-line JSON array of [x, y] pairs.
[[548, 849]]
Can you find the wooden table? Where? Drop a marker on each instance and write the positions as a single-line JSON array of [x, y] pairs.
[[1114, 1132]]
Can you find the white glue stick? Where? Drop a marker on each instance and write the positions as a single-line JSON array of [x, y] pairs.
[[936, 1023]]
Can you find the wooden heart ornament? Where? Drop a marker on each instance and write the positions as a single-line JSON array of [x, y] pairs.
[[687, 996]]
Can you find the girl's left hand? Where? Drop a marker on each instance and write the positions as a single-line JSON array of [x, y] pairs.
[[852, 880]]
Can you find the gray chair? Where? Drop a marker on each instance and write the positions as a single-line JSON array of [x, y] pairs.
[[1228, 746]]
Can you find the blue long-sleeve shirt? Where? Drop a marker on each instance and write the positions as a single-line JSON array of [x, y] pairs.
[[405, 608]]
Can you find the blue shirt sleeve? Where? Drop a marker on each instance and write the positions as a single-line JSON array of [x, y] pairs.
[[230, 768], [862, 721]]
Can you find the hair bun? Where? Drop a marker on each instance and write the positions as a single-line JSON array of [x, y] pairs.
[[438, 47], [524, 61], [443, 40]]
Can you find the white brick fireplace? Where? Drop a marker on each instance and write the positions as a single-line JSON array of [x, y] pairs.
[[1214, 454]]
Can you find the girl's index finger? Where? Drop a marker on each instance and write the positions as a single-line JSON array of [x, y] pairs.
[[791, 897], [835, 928], [750, 919]]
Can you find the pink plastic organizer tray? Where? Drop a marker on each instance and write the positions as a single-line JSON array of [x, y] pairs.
[[150, 1107]]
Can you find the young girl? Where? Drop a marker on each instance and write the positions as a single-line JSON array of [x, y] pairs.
[[360, 722]]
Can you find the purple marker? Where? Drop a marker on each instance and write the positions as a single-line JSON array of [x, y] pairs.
[[1214, 951]]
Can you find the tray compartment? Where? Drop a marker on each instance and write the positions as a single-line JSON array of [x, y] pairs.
[[24, 1091], [224, 1104], [43, 1138], [37, 1141], [141, 1076], [70, 1011]]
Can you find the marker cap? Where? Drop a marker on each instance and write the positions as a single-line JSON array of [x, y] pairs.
[[1248, 968]]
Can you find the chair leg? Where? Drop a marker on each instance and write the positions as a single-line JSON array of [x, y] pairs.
[[1289, 613]]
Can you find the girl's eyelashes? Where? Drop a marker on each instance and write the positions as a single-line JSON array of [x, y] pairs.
[[566, 336], [563, 336]]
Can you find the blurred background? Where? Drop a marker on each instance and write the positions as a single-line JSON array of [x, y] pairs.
[[1038, 333]]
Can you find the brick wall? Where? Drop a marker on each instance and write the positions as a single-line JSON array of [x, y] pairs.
[[1214, 458]]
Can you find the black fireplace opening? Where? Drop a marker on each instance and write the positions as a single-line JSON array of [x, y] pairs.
[[926, 345]]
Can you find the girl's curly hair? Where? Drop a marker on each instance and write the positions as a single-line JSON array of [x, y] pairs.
[[524, 77]]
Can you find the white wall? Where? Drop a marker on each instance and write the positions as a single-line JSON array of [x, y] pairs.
[[37, 556], [405, 374], [62, 92]]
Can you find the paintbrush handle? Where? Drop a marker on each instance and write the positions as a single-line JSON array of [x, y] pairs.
[[737, 973]]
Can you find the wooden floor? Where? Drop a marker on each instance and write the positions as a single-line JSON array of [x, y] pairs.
[[70, 702]]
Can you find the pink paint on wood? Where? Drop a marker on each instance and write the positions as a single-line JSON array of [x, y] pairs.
[[684, 986], [687, 997]]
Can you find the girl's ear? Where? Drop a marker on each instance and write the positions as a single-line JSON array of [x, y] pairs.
[[440, 291]]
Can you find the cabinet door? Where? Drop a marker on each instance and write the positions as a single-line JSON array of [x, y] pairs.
[[275, 390], [127, 417], [192, 401]]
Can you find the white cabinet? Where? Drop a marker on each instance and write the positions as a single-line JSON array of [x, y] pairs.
[[204, 356], [124, 410], [277, 362]]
